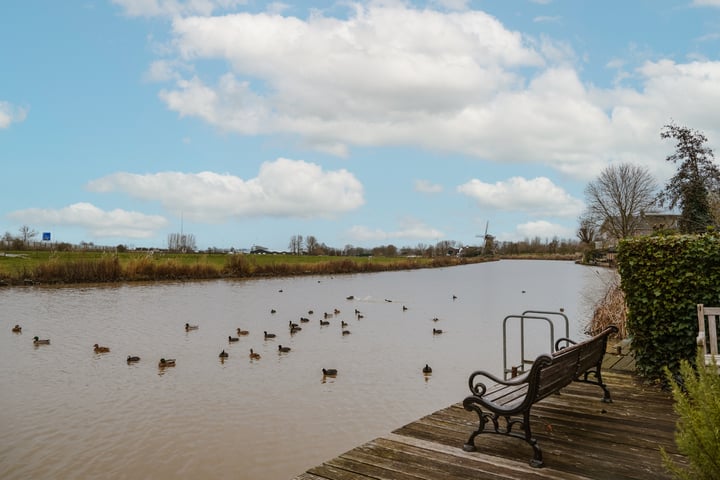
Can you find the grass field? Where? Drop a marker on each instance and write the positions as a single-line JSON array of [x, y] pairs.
[[42, 266]]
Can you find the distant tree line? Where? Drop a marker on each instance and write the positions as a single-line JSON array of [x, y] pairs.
[[309, 245]]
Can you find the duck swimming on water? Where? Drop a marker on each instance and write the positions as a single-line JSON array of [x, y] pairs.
[[38, 341], [166, 362]]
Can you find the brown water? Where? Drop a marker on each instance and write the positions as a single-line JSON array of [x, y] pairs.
[[67, 412]]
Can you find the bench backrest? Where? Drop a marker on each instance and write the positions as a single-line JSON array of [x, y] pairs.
[[568, 363], [559, 373], [708, 329]]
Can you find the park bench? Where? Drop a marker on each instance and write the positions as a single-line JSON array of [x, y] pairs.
[[513, 399], [707, 338]]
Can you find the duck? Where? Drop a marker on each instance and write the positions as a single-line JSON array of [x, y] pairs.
[[254, 355], [329, 372], [454, 297], [223, 354], [346, 332], [350, 297], [17, 329], [232, 339], [293, 324], [437, 331], [37, 341], [295, 330], [272, 310], [327, 315], [310, 312], [404, 308], [283, 349], [427, 369], [132, 359], [189, 327], [304, 319], [242, 332], [166, 362], [336, 311], [269, 335], [324, 322], [99, 349], [435, 319], [343, 323]]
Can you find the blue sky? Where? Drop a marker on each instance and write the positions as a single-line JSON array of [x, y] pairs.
[[360, 123]]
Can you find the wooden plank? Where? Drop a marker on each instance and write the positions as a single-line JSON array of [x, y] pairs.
[[581, 438]]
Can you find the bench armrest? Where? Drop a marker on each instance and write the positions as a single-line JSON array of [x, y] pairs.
[[566, 340], [479, 388]]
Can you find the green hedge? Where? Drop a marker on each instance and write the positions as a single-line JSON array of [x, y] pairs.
[[664, 278]]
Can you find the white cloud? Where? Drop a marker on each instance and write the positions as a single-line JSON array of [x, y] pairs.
[[277, 7], [9, 114], [283, 188], [409, 230], [542, 229], [547, 19], [97, 222], [165, 71], [457, 82], [458, 5], [425, 186], [706, 3], [538, 196], [171, 8]]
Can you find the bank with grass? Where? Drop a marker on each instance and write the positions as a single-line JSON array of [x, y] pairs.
[[56, 268]]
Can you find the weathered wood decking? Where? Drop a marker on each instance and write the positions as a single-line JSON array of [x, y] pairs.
[[581, 438]]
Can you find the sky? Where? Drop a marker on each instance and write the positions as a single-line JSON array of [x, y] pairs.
[[243, 122]]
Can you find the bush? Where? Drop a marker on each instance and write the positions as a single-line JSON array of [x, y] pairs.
[[664, 278], [697, 402]]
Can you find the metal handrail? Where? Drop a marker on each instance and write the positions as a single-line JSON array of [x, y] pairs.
[[560, 313], [529, 315]]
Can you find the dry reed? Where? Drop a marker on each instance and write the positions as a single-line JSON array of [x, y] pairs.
[[610, 310]]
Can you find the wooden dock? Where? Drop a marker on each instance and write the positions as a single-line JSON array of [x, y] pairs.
[[581, 438]]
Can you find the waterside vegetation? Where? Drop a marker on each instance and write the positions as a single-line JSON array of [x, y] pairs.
[[52, 267]]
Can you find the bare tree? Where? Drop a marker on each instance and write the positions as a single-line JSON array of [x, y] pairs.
[[587, 231], [696, 177], [296, 244], [714, 202], [618, 198], [181, 242], [311, 245], [27, 234]]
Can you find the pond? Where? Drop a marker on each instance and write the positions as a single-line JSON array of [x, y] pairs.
[[68, 412]]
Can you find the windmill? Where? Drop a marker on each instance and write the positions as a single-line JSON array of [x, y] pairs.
[[488, 246]]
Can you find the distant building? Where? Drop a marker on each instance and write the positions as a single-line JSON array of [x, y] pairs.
[[649, 224]]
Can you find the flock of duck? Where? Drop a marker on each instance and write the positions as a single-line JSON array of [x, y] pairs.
[[293, 328]]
